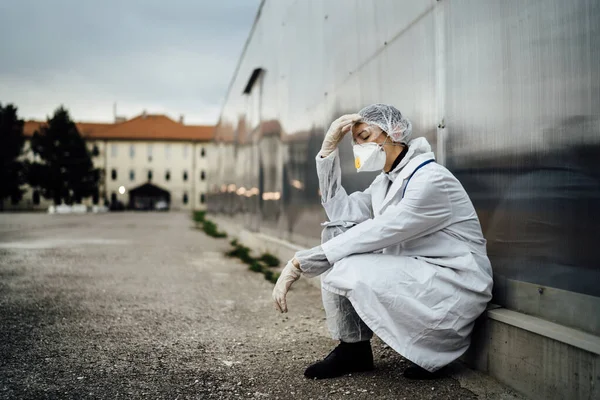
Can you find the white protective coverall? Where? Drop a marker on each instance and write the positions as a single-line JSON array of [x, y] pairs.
[[413, 264]]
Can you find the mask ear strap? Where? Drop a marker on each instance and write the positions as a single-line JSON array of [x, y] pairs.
[[391, 142], [385, 140]]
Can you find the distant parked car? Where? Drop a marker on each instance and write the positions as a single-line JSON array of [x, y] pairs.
[[64, 209], [161, 206], [79, 208]]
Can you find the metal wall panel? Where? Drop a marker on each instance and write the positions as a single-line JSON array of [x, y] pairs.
[[515, 83], [523, 97]]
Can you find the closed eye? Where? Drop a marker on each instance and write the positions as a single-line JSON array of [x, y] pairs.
[[364, 135]]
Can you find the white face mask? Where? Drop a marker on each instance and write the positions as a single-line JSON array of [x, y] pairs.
[[369, 157]]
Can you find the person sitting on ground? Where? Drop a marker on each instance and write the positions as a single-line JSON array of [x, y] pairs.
[[405, 259]]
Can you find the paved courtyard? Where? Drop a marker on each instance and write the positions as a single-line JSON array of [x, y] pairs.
[[141, 305]]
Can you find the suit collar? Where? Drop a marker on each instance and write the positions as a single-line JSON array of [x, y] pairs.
[[416, 147], [413, 164], [404, 173]]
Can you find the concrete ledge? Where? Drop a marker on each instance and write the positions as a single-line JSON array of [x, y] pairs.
[[505, 346], [560, 333]]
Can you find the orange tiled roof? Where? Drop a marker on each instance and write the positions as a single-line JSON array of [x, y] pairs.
[[29, 127], [87, 129], [142, 127]]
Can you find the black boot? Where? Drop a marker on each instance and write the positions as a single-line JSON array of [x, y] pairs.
[[417, 373], [344, 359]]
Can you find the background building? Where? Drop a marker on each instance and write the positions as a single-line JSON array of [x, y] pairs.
[[150, 154]]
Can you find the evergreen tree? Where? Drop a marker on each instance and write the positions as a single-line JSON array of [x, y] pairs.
[[66, 173], [12, 174]]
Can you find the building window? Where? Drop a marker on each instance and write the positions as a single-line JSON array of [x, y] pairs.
[[168, 175], [132, 175], [113, 198], [113, 174], [202, 175], [131, 151], [202, 198], [185, 176], [202, 152], [185, 151], [149, 174], [95, 151], [185, 198], [149, 152], [167, 151], [113, 150], [36, 197]]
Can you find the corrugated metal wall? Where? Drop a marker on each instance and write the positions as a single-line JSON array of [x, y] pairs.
[[507, 92]]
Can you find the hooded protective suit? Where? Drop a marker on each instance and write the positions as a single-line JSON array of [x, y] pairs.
[[413, 264]]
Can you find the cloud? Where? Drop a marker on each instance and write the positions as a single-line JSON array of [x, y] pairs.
[[175, 57]]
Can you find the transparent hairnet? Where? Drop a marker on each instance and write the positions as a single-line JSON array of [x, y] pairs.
[[389, 119]]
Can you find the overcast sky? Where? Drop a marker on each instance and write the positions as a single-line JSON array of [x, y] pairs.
[[174, 57]]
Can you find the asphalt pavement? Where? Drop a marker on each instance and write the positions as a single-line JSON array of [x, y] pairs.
[[141, 305]]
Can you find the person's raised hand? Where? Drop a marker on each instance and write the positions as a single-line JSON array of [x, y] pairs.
[[336, 133]]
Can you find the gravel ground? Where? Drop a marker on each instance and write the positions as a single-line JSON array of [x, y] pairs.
[[136, 305]]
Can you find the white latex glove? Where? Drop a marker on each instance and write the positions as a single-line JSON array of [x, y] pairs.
[[290, 274], [336, 133]]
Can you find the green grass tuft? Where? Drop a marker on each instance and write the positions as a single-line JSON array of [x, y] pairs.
[[260, 265], [210, 228], [199, 216], [256, 267], [274, 277], [270, 260], [241, 252], [268, 274]]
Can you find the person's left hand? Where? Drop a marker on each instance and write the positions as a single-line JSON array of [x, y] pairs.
[[290, 274]]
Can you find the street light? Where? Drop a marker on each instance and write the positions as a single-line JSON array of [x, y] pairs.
[[122, 189]]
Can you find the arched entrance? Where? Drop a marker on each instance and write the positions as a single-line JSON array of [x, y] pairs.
[[149, 197]]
